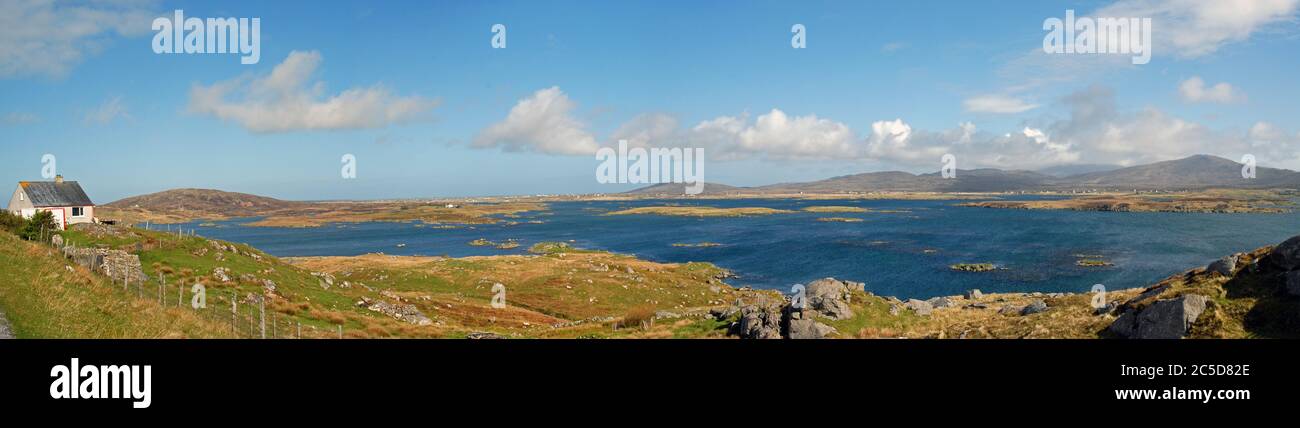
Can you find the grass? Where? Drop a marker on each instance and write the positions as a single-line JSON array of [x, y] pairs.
[[43, 298], [557, 291], [316, 214], [1209, 201]]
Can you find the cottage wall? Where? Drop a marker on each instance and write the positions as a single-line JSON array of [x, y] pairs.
[[18, 203]]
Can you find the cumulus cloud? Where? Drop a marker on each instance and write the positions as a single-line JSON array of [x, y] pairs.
[[1270, 144], [46, 39], [106, 113], [1000, 104], [286, 100], [776, 134], [1193, 90], [896, 142], [1193, 28], [1094, 131], [543, 123], [772, 135]]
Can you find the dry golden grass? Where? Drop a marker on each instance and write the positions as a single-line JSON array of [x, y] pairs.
[[639, 316], [1212, 201], [44, 299]]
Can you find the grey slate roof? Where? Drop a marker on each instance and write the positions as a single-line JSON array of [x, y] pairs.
[[52, 194]]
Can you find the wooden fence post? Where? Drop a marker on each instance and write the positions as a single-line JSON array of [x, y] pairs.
[[234, 313], [298, 325], [261, 310], [340, 331]]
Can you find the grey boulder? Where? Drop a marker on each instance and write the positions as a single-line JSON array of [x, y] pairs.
[[1164, 319]]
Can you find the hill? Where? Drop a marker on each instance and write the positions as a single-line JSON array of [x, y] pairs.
[[45, 296], [191, 204], [678, 189], [1190, 173], [1194, 172]]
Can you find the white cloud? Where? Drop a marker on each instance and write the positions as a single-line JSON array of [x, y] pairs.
[[1274, 146], [897, 142], [106, 113], [46, 39], [1094, 132], [1000, 104], [1193, 90], [892, 47], [18, 118], [776, 134], [773, 135], [1193, 28], [541, 123], [285, 100]]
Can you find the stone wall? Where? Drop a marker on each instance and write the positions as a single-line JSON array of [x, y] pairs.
[[115, 264]]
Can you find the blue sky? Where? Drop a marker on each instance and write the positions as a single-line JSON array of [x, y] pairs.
[[434, 110]]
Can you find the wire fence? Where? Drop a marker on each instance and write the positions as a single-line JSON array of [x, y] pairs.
[[247, 316]]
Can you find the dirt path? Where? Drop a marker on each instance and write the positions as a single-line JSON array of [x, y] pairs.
[[5, 332]]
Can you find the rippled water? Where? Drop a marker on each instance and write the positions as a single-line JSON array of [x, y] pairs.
[[888, 251]]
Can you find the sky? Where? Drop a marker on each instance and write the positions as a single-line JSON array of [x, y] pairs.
[[417, 93]]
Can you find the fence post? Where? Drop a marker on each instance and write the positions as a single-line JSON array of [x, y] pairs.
[[234, 313], [162, 284], [298, 325], [340, 331], [275, 325], [261, 311], [180, 293]]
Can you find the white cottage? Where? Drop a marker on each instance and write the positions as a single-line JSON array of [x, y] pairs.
[[64, 199]]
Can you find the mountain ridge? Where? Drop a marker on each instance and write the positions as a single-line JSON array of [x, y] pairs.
[[1194, 172]]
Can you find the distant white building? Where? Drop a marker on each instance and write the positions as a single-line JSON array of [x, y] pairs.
[[64, 199]]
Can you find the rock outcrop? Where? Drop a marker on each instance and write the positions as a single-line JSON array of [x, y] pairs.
[[401, 311], [1163, 319], [831, 297], [1172, 308], [759, 321], [764, 319]]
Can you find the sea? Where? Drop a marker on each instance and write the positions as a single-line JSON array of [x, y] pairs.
[[904, 251]]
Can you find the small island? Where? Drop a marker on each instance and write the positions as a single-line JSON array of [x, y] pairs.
[[695, 211], [973, 267]]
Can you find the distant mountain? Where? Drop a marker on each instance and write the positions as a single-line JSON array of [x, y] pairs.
[[678, 189], [228, 204], [1194, 172], [1069, 170]]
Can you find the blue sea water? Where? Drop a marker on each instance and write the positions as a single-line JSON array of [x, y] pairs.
[[1036, 249]]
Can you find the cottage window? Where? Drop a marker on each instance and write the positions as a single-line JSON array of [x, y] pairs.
[[22, 196], [78, 211]]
